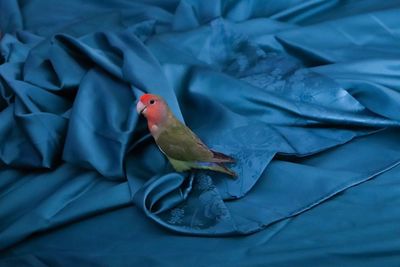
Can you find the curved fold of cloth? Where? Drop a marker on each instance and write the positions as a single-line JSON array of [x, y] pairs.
[[246, 77], [204, 211]]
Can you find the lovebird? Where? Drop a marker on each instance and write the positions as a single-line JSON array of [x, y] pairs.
[[184, 150]]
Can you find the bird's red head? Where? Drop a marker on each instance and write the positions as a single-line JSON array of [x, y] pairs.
[[153, 107]]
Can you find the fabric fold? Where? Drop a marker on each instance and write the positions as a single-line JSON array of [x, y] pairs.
[[303, 94]]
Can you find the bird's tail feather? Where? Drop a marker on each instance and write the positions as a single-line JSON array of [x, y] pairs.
[[220, 157], [213, 166]]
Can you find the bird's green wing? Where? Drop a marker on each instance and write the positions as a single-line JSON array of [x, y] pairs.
[[178, 142]]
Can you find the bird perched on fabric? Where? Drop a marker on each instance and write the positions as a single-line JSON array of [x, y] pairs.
[[179, 144]]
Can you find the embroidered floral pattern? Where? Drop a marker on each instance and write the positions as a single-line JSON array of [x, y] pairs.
[[176, 216], [203, 182]]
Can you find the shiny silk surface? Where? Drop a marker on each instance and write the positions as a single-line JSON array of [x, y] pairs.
[[304, 94]]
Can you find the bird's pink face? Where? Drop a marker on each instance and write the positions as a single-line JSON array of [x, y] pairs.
[[152, 107]]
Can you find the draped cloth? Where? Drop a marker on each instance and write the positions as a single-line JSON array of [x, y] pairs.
[[303, 94]]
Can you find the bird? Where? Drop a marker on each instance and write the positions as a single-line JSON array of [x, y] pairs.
[[183, 148]]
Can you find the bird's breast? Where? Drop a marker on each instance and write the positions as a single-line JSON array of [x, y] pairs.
[[154, 130]]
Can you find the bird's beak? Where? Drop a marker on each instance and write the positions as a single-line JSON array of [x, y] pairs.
[[140, 107]]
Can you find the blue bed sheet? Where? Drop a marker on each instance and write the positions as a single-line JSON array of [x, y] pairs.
[[304, 94]]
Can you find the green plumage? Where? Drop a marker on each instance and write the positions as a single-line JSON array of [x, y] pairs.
[[180, 143], [182, 147], [186, 151]]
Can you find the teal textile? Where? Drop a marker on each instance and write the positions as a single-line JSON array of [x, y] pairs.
[[304, 94]]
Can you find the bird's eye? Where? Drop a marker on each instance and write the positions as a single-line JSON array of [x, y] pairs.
[[152, 102]]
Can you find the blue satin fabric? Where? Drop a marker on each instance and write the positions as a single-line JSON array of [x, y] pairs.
[[304, 94]]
